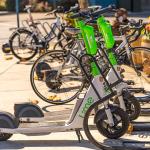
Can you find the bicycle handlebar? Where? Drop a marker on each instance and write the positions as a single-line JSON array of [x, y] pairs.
[[96, 13], [57, 10], [102, 11], [73, 9]]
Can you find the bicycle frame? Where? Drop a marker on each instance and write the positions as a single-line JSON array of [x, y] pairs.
[[56, 26]]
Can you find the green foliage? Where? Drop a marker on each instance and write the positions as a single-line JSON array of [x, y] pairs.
[[64, 3], [38, 5], [10, 5], [2, 5]]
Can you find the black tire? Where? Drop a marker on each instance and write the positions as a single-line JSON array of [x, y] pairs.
[[30, 111], [7, 121], [58, 54], [101, 116], [133, 108], [6, 48], [32, 52], [98, 118]]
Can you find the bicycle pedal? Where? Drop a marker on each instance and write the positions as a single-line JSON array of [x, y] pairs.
[[130, 128]]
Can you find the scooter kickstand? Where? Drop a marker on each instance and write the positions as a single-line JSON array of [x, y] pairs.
[[79, 135]]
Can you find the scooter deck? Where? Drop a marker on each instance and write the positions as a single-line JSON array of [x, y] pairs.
[[145, 111], [144, 99], [49, 116], [135, 141], [55, 118], [41, 124], [141, 142], [61, 112], [138, 139]]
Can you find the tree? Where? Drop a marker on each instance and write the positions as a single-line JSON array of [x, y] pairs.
[[83, 4]]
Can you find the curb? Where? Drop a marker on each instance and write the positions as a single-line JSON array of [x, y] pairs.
[[3, 13]]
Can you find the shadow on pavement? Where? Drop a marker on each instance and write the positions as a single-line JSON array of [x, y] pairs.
[[45, 143], [45, 108]]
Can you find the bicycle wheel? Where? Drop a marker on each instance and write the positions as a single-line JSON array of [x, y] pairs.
[[140, 57], [59, 82], [23, 44]]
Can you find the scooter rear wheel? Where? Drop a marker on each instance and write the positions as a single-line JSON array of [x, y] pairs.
[[28, 110], [7, 121], [133, 108]]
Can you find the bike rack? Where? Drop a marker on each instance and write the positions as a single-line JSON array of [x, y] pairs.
[[25, 24], [45, 25]]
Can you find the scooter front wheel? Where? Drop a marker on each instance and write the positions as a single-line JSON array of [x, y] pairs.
[[96, 126], [121, 122]]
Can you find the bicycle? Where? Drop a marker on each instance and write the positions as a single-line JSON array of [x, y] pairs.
[[25, 42]]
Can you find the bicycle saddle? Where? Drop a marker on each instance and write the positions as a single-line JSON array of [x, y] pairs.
[[27, 7]]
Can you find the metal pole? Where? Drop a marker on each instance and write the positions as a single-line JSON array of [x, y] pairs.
[[17, 12], [54, 4]]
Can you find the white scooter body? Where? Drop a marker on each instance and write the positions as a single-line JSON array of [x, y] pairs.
[[111, 78]]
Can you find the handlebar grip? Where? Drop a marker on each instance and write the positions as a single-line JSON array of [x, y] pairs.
[[76, 15]]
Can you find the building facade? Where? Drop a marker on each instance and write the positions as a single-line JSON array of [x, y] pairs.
[[131, 5]]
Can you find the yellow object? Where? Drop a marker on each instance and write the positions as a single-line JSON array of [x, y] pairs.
[[36, 77], [137, 43], [8, 58], [7, 49], [70, 22], [34, 101], [130, 128], [54, 98], [42, 52]]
